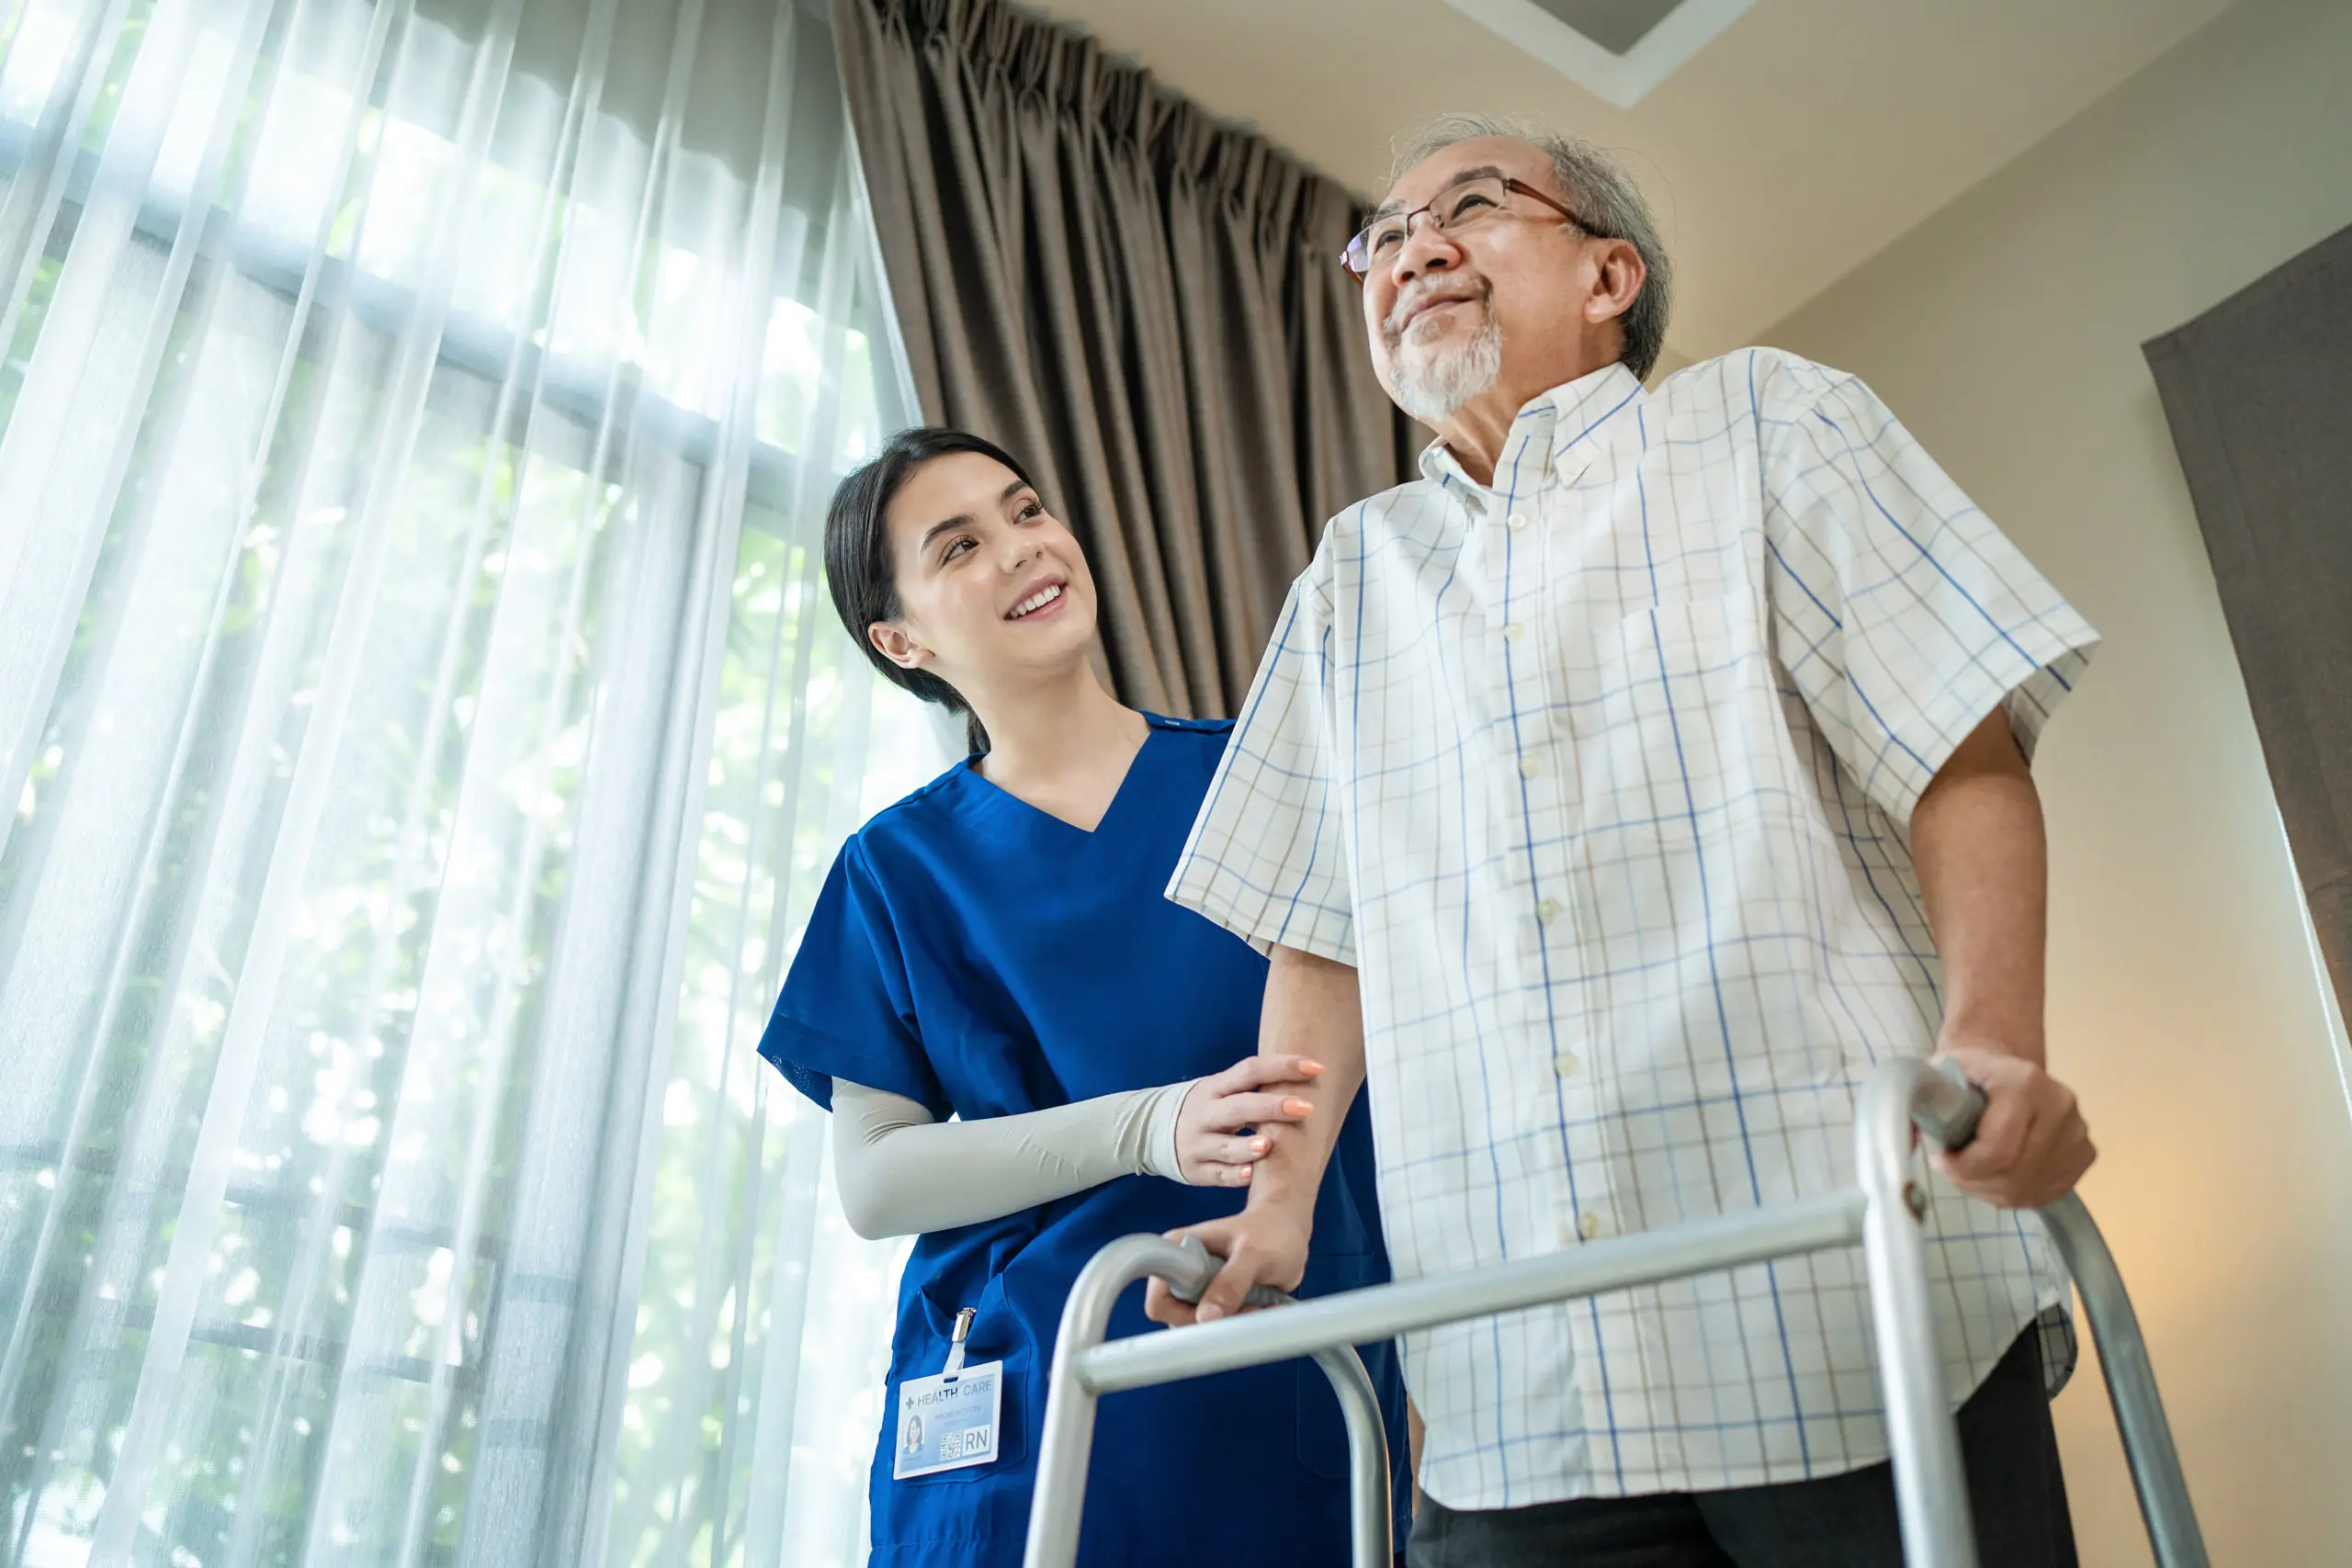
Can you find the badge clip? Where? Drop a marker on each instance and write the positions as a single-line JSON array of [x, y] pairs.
[[956, 1342]]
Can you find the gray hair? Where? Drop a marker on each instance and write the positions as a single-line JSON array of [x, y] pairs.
[[1606, 201]]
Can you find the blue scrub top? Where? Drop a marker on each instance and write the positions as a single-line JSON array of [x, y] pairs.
[[986, 958]]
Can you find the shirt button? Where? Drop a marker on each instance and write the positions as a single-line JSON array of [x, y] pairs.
[[1548, 911], [1588, 1225], [1530, 766], [1514, 631], [1517, 521], [1566, 1064]]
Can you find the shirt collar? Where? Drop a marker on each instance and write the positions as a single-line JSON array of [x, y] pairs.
[[1561, 429]]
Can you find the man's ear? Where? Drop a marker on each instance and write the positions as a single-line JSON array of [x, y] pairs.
[[1617, 282], [891, 641]]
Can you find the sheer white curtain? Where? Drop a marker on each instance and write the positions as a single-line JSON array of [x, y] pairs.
[[422, 730]]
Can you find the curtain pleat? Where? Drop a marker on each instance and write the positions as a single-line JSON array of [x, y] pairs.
[[422, 729]]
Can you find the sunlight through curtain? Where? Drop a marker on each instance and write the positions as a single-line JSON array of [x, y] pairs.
[[422, 729]]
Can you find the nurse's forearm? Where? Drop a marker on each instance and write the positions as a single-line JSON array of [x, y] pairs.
[[901, 1173], [1312, 1010]]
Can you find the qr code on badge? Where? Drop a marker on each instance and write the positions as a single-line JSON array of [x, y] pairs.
[[952, 1445]]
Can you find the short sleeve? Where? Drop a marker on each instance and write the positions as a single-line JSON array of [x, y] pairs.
[[847, 1009], [1266, 859], [1901, 613]]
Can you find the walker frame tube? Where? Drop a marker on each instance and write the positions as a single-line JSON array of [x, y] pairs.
[[1922, 1439], [1882, 1213], [2130, 1387]]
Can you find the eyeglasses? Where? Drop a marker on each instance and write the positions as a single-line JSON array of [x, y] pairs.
[[1455, 209]]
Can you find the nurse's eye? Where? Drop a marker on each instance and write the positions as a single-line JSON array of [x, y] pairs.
[[962, 544], [1031, 510]]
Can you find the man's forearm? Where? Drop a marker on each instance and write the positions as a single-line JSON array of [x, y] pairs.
[[1977, 840], [1976, 837], [1312, 1010]]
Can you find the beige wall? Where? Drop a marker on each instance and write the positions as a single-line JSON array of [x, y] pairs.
[[2185, 1004]]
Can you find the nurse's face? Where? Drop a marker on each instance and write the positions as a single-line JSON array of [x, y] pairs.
[[992, 589]]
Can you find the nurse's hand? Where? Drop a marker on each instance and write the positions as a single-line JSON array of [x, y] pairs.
[[1260, 1247], [1257, 1093]]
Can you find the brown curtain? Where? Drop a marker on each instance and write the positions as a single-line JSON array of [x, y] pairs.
[[1145, 306], [2259, 393]]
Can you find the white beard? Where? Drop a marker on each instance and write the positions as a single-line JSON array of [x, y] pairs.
[[1433, 382]]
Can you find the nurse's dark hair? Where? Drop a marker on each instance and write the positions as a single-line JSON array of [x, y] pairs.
[[858, 566]]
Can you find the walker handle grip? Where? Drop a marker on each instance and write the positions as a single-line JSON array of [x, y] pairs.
[[1945, 1106], [1207, 1264]]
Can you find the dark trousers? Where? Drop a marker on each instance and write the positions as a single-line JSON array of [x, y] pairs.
[[2017, 1494]]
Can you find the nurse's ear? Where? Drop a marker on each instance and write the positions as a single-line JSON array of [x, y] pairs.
[[891, 641]]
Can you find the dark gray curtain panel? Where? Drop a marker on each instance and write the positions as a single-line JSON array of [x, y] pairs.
[[2259, 393], [1143, 305]]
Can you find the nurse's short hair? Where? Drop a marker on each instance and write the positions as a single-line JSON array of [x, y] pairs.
[[858, 567]]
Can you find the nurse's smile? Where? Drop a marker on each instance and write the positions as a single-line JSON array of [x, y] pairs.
[[1045, 600]]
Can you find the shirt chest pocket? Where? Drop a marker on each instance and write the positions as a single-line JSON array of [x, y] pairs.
[[1664, 712]]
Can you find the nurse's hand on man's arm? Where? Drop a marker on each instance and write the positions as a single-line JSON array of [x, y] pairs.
[[1314, 1008], [1228, 1119]]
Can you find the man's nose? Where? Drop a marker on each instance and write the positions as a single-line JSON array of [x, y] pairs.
[[1427, 249]]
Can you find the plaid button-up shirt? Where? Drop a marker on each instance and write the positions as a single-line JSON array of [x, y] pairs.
[[1602, 774]]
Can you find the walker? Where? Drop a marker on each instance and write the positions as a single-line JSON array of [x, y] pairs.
[[1883, 1212]]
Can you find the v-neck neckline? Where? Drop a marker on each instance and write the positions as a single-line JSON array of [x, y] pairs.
[[1128, 785]]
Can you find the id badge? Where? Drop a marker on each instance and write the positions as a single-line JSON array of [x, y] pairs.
[[948, 1421]]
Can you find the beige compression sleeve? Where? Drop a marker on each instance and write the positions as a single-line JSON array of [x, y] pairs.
[[901, 1173]]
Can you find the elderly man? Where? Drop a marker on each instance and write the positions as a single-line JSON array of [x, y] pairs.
[[1611, 797]]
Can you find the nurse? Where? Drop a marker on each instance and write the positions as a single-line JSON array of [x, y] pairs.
[[996, 949]]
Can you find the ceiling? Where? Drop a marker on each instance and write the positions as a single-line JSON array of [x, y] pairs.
[[1788, 151], [1615, 25]]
